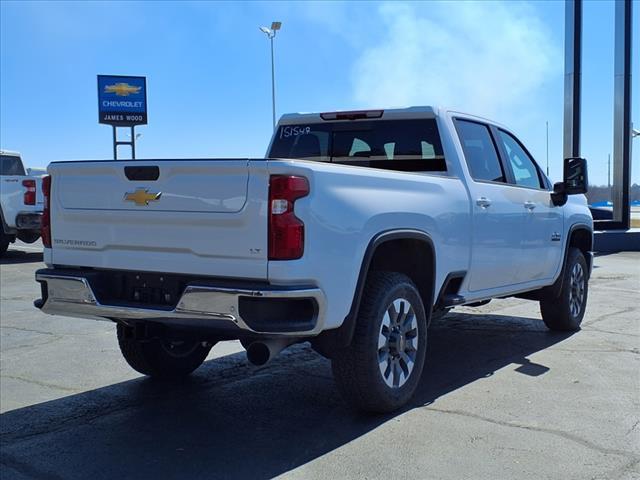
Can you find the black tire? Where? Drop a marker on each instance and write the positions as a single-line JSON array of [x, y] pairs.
[[358, 370], [564, 312], [5, 240], [28, 236], [162, 359], [439, 314]]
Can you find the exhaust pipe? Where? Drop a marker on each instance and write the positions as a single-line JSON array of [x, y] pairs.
[[261, 352]]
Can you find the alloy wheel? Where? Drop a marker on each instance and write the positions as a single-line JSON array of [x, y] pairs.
[[576, 290], [397, 343]]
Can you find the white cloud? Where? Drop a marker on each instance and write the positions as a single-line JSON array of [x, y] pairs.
[[491, 59]]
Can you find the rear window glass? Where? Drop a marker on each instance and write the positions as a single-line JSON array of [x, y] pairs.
[[404, 145], [11, 165]]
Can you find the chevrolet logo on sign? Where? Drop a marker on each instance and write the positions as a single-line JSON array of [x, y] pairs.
[[121, 89], [142, 197]]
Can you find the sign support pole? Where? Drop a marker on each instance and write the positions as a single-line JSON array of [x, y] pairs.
[[132, 143], [115, 143]]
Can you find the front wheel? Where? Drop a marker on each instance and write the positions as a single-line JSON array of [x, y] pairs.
[[566, 311], [380, 370], [160, 358], [28, 236]]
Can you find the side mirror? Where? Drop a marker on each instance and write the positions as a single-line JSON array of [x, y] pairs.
[[575, 181], [575, 176], [559, 196]]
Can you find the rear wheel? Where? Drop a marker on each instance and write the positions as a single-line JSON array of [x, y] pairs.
[[5, 240], [161, 358], [28, 236], [565, 311], [380, 370]]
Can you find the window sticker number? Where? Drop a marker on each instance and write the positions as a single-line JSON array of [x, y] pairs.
[[286, 132]]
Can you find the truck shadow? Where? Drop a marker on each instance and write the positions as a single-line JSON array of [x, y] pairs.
[[231, 420], [12, 257]]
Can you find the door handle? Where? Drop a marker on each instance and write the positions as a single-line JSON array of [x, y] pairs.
[[529, 205], [483, 202]]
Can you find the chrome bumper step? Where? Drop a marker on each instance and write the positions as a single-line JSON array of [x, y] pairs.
[[72, 296]]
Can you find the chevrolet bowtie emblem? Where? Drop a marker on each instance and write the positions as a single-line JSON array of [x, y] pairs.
[[121, 89], [142, 197]]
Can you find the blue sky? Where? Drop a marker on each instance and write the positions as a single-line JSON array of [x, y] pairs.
[[208, 71]]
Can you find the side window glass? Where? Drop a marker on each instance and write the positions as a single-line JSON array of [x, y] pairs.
[[428, 152], [389, 150], [359, 147], [479, 151], [524, 170]]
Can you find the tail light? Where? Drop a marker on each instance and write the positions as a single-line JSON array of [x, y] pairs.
[[45, 229], [30, 192], [286, 231]]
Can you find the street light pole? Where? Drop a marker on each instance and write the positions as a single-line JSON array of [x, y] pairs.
[[273, 85], [271, 33]]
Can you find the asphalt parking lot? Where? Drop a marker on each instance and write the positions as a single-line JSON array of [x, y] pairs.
[[500, 398]]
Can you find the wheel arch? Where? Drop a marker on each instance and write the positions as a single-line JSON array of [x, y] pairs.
[[580, 236], [417, 260], [6, 229]]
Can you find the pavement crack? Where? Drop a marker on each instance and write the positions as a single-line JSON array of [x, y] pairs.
[[41, 384], [633, 427], [606, 316], [633, 351], [558, 433], [601, 330], [628, 467], [22, 329], [617, 473], [616, 289], [32, 345]]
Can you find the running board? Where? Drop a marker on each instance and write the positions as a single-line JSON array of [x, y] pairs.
[[452, 300]]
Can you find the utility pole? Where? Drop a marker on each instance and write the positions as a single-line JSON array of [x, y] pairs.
[[271, 33], [609, 172], [547, 148]]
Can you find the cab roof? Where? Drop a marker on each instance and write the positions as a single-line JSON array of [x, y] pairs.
[[375, 114], [10, 153]]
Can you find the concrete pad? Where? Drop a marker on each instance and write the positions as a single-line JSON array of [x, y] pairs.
[[501, 397]]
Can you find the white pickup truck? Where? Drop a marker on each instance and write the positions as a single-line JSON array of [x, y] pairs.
[[351, 234], [21, 201]]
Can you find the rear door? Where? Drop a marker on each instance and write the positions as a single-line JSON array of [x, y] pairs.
[[205, 217], [497, 215]]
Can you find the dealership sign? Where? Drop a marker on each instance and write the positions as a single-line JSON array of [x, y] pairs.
[[122, 101]]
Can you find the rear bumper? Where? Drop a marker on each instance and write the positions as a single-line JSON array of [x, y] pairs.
[[264, 311]]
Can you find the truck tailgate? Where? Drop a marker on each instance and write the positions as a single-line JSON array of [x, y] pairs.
[[204, 217]]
